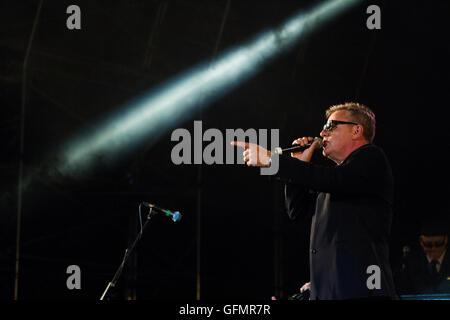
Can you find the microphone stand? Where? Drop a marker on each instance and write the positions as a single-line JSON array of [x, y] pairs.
[[127, 254]]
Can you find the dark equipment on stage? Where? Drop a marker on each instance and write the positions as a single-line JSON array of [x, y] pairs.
[[434, 296], [300, 296]]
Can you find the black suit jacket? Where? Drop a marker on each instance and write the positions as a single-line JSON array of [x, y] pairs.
[[351, 207], [416, 277]]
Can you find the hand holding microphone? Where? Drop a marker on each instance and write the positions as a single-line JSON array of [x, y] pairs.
[[303, 148]]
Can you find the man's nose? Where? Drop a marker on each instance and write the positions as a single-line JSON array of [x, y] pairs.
[[323, 133]]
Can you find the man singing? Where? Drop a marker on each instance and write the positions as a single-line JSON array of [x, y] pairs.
[[350, 203]]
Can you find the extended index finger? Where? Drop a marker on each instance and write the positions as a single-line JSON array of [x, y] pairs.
[[241, 144]]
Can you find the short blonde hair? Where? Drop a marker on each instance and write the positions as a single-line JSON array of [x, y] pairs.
[[360, 114]]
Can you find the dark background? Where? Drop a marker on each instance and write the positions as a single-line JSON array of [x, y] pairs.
[[234, 238]]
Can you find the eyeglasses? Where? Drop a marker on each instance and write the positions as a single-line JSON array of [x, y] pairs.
[[436, 244], [332, 124]]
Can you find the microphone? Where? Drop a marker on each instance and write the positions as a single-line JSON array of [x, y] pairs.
[[296, 148], [175, 215]]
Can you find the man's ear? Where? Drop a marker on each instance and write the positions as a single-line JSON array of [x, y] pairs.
[[358, 130]]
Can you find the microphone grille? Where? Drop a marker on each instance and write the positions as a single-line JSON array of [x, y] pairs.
[[176, 216], [320, 144]]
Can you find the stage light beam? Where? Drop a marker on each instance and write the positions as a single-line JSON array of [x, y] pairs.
[[162, 108]]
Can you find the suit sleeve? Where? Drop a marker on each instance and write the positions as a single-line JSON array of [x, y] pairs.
[[364, 173], [297, 200]]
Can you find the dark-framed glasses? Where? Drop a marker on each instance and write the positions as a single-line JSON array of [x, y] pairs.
[[435, 244], [332, 124]]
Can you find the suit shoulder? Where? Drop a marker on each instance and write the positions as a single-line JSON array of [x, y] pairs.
[[371, 159], [367, 152]]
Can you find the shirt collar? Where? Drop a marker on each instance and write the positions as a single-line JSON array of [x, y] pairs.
[[441, 258]]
